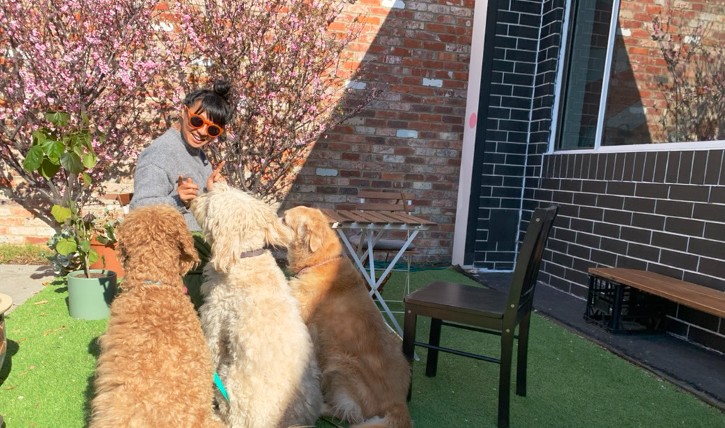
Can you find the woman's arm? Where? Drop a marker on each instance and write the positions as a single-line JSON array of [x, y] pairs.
[[152, 186]]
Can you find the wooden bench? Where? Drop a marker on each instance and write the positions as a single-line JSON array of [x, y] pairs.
[[628, 300]]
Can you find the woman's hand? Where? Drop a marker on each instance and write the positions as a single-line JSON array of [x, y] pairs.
[[187, 190], [216, 176]]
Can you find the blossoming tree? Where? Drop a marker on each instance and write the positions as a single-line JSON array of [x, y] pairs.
[[287, 64], [80, 68], [79, 95]]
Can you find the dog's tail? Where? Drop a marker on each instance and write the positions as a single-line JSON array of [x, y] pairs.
[[396, 416]]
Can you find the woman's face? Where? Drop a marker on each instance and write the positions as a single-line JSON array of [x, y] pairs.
[[196, 137]]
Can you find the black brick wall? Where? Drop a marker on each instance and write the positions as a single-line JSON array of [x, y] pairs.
[[657, 210], [642, 214], [517, 121]]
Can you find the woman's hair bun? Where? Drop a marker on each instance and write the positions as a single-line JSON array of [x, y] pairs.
[[221, 88]]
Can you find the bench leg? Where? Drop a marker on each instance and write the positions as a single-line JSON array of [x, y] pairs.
[[616, 322], [589, 311]]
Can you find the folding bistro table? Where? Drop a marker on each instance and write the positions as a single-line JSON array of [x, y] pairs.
[[373, 225]]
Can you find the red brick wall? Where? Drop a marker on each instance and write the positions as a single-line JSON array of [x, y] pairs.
[[410, 138]]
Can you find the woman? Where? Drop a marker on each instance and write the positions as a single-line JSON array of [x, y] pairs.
[[174, 169]]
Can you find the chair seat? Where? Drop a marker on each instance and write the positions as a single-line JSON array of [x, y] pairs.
[[459, 298], [383, 244]]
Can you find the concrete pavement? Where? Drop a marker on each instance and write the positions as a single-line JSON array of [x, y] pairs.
[[20, 282]]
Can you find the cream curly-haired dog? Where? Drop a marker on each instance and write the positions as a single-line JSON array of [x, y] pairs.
[[154, 368], [260, 346], [365, 376]]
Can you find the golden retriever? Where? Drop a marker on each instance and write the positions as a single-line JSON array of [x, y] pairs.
[[365, 376]]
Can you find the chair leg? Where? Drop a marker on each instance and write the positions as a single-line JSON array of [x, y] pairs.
[[504, 378], [409, 321], [431, 365], [522, 355]]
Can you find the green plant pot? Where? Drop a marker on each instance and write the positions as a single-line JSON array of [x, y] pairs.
[[90, 298], [5, 303]]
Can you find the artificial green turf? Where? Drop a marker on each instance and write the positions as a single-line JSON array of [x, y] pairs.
[[46, 380], [50, 362]]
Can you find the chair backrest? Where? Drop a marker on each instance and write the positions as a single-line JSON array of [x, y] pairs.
[[523, 282], [385, 200]]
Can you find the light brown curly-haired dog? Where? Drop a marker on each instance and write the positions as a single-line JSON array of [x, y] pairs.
[[365, 376], [154, 369], [260, 345]]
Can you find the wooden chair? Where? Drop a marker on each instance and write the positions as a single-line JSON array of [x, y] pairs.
[[484, 310], [386, 201]]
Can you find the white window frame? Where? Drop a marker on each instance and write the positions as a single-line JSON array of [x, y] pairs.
[[598, 148]]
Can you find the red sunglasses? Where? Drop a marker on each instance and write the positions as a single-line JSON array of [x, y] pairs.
[[196, 122]]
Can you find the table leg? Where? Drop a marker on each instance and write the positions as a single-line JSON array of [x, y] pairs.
[[369, 272]]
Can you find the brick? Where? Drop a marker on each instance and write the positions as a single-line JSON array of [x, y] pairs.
[[685, 226], [634, 234], [680, 259], [674, 208], [717, 195], [651, 190], [620, 188], [668, 240], [714, 231], [639, 205], [707, 248], [689, 193], [699, 165], [645, 252], [673, 167], [714, 167], [712, 267], [618, 217], [660, 167], [685, 168]]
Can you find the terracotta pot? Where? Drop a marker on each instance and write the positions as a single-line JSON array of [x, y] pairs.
[[107, 258]]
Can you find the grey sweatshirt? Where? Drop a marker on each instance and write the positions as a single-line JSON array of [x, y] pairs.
[[158, 168]]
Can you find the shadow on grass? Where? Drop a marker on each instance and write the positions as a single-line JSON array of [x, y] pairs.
[[94, 349], [12, 348]]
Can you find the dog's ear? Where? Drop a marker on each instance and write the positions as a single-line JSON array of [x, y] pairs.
[[277, 233], [224, 245], [189, 257], [313, 236]]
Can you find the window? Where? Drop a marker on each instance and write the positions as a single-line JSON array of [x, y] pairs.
[[636, 72]]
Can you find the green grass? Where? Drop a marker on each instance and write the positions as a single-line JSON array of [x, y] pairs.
[[46, 382], [24, 254]]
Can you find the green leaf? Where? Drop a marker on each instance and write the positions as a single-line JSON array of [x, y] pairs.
[[72, 163], [57, 118], [87, 180], [53, 150], [48, 169], [66, 246], [33, 159], [80, 140], [89, 160], [60, 214], [84, 246], [92, 257], [40, 136]]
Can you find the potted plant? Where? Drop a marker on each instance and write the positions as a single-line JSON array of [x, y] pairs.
[[103, 241], [66, 150]]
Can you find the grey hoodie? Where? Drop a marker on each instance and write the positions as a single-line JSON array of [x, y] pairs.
[[158, 168]]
